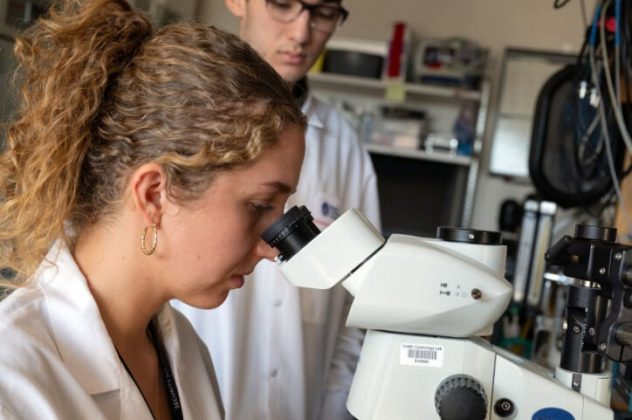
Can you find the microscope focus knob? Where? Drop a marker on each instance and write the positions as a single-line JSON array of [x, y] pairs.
[[461, 397]]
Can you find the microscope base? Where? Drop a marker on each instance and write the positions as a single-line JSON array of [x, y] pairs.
[[398, 375]]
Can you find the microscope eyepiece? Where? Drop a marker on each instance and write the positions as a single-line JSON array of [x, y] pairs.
[[291, 232], [470, 236]]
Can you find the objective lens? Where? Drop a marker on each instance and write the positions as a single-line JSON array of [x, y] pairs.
[[291, 232]]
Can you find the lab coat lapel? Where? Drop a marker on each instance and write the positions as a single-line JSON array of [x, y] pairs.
[[309, 108], [80, 335]]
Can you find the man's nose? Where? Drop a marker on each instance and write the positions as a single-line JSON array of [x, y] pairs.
[[299, 29]]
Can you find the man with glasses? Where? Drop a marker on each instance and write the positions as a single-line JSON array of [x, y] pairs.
[[283, 353]]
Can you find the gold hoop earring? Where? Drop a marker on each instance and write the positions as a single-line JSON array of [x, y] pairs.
[[154, 242]]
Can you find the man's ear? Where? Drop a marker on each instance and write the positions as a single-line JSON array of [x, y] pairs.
[[236, 7], [148, 190]]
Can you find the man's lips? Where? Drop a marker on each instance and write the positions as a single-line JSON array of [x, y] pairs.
[[293, 58]]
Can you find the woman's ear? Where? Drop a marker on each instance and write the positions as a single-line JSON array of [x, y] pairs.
[[148, 190]]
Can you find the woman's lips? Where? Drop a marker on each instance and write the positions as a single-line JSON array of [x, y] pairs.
[[237, 281]]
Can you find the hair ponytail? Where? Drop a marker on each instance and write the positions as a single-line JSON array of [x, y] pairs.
[[102, 95], [67, 64]]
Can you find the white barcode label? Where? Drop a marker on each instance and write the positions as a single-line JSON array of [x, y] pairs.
[[421, 355]]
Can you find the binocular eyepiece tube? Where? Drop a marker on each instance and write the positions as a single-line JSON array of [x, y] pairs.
[[291, 232]]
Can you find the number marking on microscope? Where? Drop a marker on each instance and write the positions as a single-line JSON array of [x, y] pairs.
[[444, 290], [421, 355]]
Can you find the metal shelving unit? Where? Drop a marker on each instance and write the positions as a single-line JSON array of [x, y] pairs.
[[379, 85], [419, 154], [444, 101]]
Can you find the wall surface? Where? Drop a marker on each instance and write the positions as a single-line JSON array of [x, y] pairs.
[[495, 24]]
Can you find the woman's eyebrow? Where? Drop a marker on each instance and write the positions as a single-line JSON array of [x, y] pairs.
[[279, 186]]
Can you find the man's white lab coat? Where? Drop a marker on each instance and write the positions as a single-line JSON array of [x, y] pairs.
[[57, 360], [280, 352]]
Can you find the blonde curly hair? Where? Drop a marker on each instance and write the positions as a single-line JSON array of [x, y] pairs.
[[102, 94]]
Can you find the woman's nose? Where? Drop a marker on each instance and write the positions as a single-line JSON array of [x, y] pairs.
[[263, 250]]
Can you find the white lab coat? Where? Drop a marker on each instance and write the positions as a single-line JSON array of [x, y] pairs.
[[280, 352], [57, 360]]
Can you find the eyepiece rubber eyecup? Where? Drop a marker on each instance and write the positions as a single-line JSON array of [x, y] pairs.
[[291, 232]]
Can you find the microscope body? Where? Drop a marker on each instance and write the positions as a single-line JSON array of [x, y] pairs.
[[406, 284], [405, 376], [424, 302]]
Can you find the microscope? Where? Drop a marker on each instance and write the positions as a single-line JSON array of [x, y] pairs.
[[426, 303]]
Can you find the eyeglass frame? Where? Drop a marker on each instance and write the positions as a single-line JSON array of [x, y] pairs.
[[313, 6]]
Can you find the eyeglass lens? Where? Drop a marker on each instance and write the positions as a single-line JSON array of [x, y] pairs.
[[323, 16]]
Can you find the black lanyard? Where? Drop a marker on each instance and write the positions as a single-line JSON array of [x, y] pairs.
[[173, 398]]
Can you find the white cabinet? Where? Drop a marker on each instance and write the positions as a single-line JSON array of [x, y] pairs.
[[419, 190]]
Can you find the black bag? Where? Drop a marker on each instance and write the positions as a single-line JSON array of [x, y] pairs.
[[568, 162]]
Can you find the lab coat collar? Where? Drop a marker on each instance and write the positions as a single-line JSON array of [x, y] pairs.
[[86, 347], [166, 326], [310, 108], [78, 330]]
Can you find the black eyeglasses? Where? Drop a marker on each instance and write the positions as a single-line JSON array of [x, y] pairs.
[[325, 17]]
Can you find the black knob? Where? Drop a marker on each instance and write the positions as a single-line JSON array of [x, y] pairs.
[[596, 233], [504, 407], [461, 397]]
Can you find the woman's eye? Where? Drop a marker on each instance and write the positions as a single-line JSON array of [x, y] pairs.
[[261, 208]]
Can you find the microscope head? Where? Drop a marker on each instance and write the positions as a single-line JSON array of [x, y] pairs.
[[327, 257], [451, 286]]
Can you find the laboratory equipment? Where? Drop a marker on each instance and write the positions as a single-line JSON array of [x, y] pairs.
[[426, 302]]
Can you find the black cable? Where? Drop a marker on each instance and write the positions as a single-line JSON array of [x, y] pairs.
[[626, 43], [558, 4], [582, 77], [609, 201]]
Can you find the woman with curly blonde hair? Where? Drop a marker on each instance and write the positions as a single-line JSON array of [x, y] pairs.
[[141, 166]]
